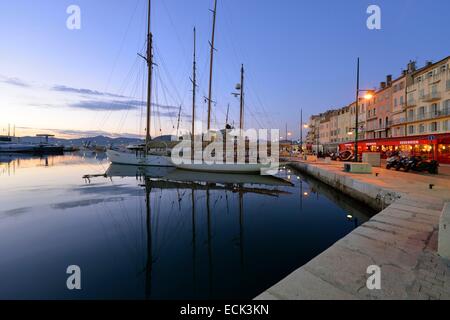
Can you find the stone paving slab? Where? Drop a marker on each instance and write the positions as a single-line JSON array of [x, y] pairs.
[[401, 240]]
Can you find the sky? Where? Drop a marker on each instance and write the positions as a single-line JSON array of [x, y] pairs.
[[297, 55]]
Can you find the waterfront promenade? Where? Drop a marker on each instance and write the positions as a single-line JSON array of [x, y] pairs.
[[401, 239]]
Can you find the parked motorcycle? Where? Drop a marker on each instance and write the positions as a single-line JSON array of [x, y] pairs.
[[403, 163], [418, 164], [393, 161]]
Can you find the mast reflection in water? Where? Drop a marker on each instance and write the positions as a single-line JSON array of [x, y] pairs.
[[160, 233]]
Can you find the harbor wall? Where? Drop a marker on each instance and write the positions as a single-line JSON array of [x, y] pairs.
[[376, 197]]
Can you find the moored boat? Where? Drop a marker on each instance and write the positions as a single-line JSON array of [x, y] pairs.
[[141, 155]]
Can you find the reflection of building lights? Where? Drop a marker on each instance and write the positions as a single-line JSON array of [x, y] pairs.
[[349, 217], [289, 177], [305, 194], [298, 178]]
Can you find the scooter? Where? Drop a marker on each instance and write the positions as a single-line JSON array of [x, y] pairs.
[[403, 163], [419, 165], [392, 161]]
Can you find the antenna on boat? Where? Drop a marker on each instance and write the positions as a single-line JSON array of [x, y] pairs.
[[211, 62]]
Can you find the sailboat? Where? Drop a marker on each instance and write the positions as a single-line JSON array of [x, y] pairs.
[[141, 155], [220, 167]]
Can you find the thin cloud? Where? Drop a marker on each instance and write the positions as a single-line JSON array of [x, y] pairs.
[[15, 82], [102, 105], [62, 88]]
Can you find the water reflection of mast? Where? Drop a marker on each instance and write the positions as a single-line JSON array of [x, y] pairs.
[[148, 273], [193, 240], [208, 217], [241, 225]]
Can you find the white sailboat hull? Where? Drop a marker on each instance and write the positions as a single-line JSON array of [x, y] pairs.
[[131, 158], [224, 167]]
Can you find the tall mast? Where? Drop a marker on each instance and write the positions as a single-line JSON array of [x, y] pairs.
[[242, 99], [194, 86], [150, 68], [227, 117], [211, 64]]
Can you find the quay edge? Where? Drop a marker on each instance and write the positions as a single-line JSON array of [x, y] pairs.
[[402, 239]]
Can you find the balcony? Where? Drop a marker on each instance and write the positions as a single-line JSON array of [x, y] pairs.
[[431, 97], [429, 115], [411, 103], [397, 122]]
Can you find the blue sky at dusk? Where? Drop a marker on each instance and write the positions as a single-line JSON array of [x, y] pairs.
[[297, 54]]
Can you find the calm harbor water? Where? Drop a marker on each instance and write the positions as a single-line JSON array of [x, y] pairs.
[[155, 234]]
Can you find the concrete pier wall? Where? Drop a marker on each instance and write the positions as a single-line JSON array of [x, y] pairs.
[[401, 240], [375, 196]]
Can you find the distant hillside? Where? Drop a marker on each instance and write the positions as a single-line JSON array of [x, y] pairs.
[[97, 141]]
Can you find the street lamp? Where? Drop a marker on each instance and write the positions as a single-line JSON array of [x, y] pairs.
[[369, 95]]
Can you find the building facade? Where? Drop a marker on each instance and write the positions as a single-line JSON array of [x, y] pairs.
[[428, 100], [398, 108], [379, 112], [410, 114]]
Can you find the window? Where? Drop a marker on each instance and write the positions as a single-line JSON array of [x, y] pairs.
[[411, 115], [421, 128], [447, 106], [446, 125], [411, 130], [401, 100], [395, 102], [434, 109], [434, 127], [434, 89], [421, 114]]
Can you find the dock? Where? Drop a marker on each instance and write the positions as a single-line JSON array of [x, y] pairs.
[[402, 239]]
